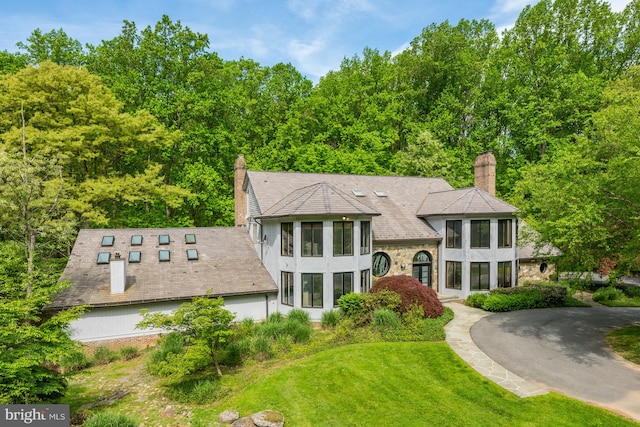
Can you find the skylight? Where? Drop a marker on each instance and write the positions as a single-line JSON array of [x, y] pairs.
[[104, 257], [380, 193], [163, 239], [135, 256], [164, 255], [358, 193], [190, 238], [107, 240], [192, 254], [136, 240]]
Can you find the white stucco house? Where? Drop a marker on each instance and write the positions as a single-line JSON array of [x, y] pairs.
[[301, 240]]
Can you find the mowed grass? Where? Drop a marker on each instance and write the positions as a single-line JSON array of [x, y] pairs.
[[626, 342], [388, 384]]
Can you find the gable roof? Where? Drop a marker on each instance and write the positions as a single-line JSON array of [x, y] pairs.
[[227, 265], [317, 199], [466, 201], [396, 198]]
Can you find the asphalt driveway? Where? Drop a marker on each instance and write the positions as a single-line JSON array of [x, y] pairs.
[[565, 349]]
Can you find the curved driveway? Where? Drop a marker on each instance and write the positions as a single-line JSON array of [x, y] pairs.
[[565, 349]]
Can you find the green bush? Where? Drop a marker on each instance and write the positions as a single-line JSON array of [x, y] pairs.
[[385, 318], [103, 355], [262, 348], [197, 391], [511, 301], [383, 299], [276, 317], [270, 329], [299, 315], [330, 319], [352, 304], [75, 361], [610, 293], [631, 291], [110, 419], [129, 352], [299, 332], [476, 300]]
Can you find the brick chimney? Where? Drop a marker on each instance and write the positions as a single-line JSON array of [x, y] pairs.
[[240, 197], [118, 274], [485, 172]]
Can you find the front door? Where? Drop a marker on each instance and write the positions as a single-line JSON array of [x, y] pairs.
[[422, 267]]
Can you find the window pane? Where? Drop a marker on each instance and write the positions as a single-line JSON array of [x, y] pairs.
[[107, 240], [454, 275], [164, 255], [312, 290], [479, 276], [189, 238], [286, 237], [504, 274], [135, 256], [287, 287], [342, 238], [311, 239], [136, 240], [342, 285], [163, 239], [365, 237], [504, 233], [192, 254], [381, 264], [104, 257], [454, 234], [480, 234], [365, 281]]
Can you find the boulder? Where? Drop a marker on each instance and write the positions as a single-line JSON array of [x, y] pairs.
[[268, 418], [228, 416], [243, 422]]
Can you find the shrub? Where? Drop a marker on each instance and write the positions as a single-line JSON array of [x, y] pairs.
[[246, 327], [129, 352], [476, 300], [385, 318], [631, 291], [109, 419], [272, 330], [298, 315], [520, 299], [276, 317], [552, 295], [195, 390], [383, 299], [330, 319], [299, 332], [609, 293], [75, 361], [103, 355], [411, 291], [262, 348], [352, 304]]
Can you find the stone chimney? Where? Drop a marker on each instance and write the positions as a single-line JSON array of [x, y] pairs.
[[240, 197], [118, 274], [485, 172]]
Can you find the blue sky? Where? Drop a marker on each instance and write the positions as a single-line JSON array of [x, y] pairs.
[[313, 35]]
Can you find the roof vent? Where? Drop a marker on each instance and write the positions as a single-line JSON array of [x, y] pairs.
[[358, 193], [380, 193]]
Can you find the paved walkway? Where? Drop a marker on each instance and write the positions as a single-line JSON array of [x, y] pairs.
[[459, 339]]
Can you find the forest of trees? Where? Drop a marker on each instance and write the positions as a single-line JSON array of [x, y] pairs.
[[143, 130]]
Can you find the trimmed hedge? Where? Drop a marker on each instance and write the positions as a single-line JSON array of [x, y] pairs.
[[520, 298]]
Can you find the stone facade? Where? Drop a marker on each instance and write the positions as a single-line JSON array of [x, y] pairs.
[[402, 254], [536, 271]]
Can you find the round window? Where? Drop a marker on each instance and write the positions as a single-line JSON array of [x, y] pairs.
[[543, 267], [381, 264]]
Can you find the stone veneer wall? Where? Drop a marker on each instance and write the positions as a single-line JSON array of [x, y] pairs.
[[530, 271], [140, 342], [404, 253]]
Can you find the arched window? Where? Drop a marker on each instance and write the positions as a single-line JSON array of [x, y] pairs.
[[422, 267]]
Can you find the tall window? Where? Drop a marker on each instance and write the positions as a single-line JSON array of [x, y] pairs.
[[454, 275], [365, 280], [365, 237], [479, 276], [504, 274], [480, 234], [311, 239], [312, 290], [454, 234], [286, 279], [286, 239], [422, 267], [342, 285], [504, 233], [342, 238]]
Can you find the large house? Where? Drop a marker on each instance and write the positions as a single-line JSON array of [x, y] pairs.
[[302, 240]]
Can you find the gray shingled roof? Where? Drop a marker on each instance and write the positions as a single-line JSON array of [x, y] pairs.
[[317, 199], [397, 219], [227, 264], [466, 201]]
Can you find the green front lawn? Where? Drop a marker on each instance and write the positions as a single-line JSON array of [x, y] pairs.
[[626, 342], [386, 384]]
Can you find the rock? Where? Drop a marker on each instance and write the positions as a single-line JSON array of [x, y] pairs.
[[268, 418], [228, 416], [169, 411], [243, 422]]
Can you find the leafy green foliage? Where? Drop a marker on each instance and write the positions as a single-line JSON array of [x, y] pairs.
[[385, 319], [330, 318], [521, 298], [352, 304], [476, 300], [110, 419], [103, 355], [129, 352], [198, 391], [205, 323]]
